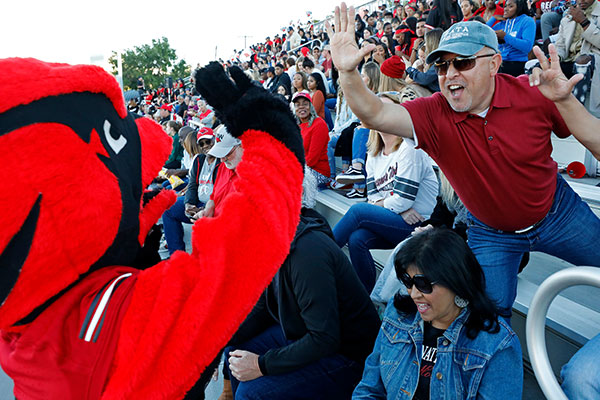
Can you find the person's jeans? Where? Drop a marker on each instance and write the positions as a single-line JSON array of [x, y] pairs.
[[331, 155], [548, 21], [367, 226], [581, 375], [173, 219], [569, 231], [359, 150], [331, 377]]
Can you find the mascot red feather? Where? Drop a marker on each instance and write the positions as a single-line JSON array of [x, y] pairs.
[[77, 320]]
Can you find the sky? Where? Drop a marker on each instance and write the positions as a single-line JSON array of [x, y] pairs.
[[76, 31]]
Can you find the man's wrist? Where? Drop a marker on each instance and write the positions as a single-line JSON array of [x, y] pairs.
[[584, 24]]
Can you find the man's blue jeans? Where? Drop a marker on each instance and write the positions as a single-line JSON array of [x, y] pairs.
[[173, 219], [569, 231], [332, 377], [581, 375], [367, 226]]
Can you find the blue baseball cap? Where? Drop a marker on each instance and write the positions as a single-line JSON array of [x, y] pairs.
[[465, 39]]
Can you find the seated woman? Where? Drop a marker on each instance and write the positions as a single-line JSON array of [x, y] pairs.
[[401, 189], [516, 35], [315, 136], [202, 178], [316, 89], [444, 339]]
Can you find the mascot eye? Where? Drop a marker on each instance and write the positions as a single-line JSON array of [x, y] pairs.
[[118, 144]]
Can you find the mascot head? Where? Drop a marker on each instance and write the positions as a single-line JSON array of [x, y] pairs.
[[75, 166]]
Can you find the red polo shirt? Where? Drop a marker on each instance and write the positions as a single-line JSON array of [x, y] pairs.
[[499, 165]]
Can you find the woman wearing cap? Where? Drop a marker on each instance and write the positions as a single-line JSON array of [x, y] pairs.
[[315, 136], [516, 35], [392, 80], [203, 174], [401, 191], [444, 338]]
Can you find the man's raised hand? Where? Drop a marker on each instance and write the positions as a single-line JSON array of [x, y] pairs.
[[345, 52], [549, 78]]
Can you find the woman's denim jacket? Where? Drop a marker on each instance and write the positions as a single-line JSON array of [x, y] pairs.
[[487, 367]]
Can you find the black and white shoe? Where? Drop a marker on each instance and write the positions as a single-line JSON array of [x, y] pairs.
[[355, 194], [351, 176]]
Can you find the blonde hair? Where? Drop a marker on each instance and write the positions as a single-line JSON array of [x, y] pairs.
[[375, 143], [432, 40], [449, 196], [371, 70]]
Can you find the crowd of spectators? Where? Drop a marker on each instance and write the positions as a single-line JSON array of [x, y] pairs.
[[274, 353]]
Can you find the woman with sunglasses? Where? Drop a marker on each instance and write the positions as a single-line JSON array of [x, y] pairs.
[[444, 338], [516, 35]]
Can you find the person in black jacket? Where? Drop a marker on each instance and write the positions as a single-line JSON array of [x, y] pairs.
[[444, 14], [203, 174], [311, 330]]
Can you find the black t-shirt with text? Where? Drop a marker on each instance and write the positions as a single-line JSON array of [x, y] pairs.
[[428, 359]]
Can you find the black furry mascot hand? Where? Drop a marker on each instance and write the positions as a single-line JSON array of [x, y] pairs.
[[241, 106]]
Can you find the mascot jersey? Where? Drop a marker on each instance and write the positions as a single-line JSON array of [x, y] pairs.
[[76, 320]]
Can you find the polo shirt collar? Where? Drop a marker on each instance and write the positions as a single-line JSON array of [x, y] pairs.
[[500, 99]]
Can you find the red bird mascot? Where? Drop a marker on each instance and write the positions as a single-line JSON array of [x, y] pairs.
[[77, 320]]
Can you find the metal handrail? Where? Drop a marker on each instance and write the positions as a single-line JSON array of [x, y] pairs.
[[536, 322]]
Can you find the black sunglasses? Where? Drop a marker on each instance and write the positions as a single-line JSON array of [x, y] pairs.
[[422, 284], [460, 63]]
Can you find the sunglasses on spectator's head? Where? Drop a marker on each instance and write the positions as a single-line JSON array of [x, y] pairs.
[[422, 284], [460, 63]]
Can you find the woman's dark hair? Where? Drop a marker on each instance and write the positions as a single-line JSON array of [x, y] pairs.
[[522, 7], [385, 48], [444, 257], [320, 84]]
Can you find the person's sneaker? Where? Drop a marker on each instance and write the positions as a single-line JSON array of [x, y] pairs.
[[355, 194], [351, 176], [339, 186]]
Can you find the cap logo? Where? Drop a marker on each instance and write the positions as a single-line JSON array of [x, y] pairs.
[[456, 33]]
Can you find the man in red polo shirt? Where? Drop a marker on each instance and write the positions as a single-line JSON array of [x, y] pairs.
[[490, 135]]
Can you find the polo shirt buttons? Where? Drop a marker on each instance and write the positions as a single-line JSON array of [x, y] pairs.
[[490, 138], [485, 122], [439, 376]]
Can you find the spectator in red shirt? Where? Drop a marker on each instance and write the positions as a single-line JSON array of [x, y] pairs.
[[490, 9], [505, 177], [315, 136]]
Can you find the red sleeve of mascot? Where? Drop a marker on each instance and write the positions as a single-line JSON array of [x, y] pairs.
[[181, 313]]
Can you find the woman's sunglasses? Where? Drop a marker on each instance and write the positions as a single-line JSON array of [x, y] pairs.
[[460, 64], [422, 284]]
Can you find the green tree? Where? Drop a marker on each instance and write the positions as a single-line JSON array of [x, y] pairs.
[[154, 62]]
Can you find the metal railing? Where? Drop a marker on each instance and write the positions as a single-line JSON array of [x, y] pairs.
[[536, 323]]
